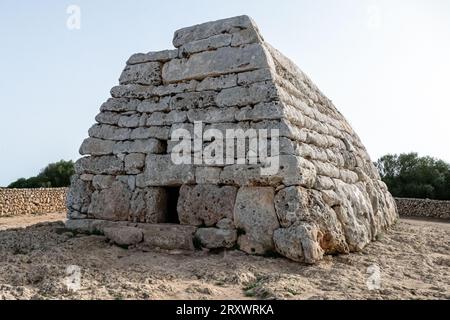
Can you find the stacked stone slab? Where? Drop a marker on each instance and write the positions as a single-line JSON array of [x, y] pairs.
[[327, 197]]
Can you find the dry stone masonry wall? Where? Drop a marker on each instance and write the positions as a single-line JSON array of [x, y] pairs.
[[423, 208], [327, 197], [32, 201]]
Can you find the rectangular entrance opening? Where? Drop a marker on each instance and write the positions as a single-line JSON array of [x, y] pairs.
[[172, 200]]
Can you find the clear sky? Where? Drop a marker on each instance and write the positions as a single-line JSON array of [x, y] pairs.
[[384, 63]]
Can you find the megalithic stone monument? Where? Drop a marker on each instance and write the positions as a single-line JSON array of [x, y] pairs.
[[326, 196]]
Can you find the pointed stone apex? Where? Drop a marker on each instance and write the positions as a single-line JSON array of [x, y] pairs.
[[236, 26]]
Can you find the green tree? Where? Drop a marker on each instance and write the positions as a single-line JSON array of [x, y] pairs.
[[411, 176], [54, 175]]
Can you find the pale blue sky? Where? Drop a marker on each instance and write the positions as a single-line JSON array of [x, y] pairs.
[[384, 63]]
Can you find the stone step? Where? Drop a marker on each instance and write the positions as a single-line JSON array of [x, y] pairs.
[[146, 236], [168, 236]]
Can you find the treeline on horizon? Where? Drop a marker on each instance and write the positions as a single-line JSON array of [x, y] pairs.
[[54, 175], [407, 176]]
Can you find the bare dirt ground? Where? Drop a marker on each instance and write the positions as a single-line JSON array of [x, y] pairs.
[[414, 262]]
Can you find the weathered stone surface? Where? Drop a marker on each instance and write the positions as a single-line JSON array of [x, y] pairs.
[[262, 111], [193, 100], [139, 146], [161, 171], [261, 75], [242, 96], [226, 224], [166, 119], [111, 204], [131, 121], [296, 204], [75, 215], [133, 92], [134, 163], [99, 165], [218, 83], [87, 177], [291, 171], [107, 117], [160, 132], [212, 238], [254, 214], [215, 63], [174, 88], [299, 243], [84, 225], [149, 205], [329, 197], [108, 132], [291, 205], [212, 115], [79, 195], [169, 237], [124, 236], [120, 105], [96, 147], [150, 106], [207, 175], [205, 204], [211, 43], [210, 29], [161, 56], [100, 182], [145, 73], [246, 36]]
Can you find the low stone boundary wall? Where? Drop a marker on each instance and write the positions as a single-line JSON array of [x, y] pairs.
[[424, 208], [32, 201]]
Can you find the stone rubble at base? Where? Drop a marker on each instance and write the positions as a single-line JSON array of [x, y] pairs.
[[326, 199]]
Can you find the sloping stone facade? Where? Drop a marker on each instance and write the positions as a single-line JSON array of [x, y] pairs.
[[326, 198]]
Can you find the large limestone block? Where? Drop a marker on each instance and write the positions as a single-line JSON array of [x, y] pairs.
[[212, 115], [120, 105], [99, 165], [100, 182], [145, 73], [218, 83], [134, 163], [124, 236], [254, 214], [107, 132], [108, 117], [193, 100], [290, 171], [161, 56], [79, 195], [210, 29], [215, 63], [96, 147], [139, 146], [205, 204], [214, 42], [245, 95], [160, 105], [212, 238], [168, 236], [297, 204], [161, 133], [112, 204], [299, 243], [161, 171], [166, 119], [149, 205]]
